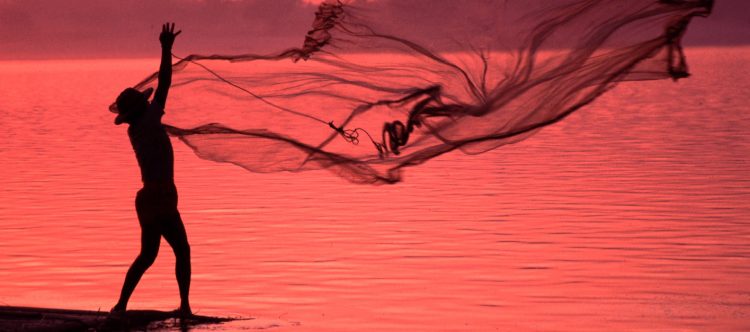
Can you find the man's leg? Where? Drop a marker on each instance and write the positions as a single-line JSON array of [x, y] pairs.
[[176, 236], [150, 239]]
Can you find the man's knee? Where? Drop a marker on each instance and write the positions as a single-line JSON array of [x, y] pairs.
[[185, 249], [146, 258], [181, 249]]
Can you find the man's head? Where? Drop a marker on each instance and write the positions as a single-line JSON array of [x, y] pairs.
[[131, 103]]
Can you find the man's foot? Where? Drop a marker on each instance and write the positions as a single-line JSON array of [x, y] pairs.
[[118, 308], [184, 311], [117, 312]]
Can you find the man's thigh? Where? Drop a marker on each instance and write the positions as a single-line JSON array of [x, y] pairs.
[[173, 230]]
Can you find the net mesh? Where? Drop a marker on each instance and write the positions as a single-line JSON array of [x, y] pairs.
[[380, 86]]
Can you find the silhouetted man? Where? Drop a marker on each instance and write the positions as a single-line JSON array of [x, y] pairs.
[[156, 202]]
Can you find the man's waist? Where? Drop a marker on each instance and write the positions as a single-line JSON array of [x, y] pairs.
[[161, 174], [158, 183]]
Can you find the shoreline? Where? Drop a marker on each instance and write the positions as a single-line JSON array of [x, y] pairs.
[[53, 319]]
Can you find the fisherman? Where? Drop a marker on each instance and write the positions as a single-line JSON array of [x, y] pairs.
[[156, 202]]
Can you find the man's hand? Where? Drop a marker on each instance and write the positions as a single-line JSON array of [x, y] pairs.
[[168, 35]]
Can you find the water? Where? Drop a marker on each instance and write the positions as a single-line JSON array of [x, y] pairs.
[[630, 215]]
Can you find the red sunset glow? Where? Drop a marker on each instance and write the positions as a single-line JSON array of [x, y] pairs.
[[374, 165]]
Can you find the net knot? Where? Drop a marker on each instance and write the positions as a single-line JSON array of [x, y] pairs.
[[351, 136]]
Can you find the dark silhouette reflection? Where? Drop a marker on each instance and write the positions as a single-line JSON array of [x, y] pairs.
[[51, 319], [156, 202]]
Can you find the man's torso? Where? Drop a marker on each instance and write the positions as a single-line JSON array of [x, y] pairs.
[[152, 146]]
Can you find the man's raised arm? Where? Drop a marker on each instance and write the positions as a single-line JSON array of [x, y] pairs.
[[166, 38]]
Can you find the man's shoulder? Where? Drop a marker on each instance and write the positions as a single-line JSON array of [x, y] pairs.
[[155, 111], [155, 106], [151, 117]]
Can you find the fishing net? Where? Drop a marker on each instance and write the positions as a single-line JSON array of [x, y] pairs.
[[379, 86]]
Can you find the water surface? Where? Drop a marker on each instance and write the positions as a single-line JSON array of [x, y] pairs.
[[630, 215]]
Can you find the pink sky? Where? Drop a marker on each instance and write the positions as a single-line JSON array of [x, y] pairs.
[[32, 29]]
